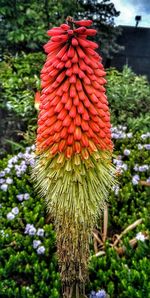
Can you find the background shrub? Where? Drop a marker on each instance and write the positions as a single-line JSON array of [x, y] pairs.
[[129, 99], [26, 271]]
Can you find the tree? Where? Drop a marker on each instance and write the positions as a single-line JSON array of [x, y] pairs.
[[103, 13], [24, 22]]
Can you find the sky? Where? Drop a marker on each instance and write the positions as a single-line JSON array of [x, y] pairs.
[[129, 9]]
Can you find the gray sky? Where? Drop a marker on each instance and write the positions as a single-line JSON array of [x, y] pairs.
[[129, 9]]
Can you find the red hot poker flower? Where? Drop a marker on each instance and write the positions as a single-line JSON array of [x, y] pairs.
[[74, 147]]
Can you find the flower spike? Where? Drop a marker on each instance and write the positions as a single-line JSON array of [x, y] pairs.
[[73, 169]]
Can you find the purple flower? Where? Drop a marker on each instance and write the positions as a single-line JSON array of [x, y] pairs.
[[2, 174], [135, 179], [26, 196], [7, 170], [143, 168], [41, 250], [126, 152], [147, 146], [10, 216], [9, 180], [144, 136], [40, 232], [28, 227], [4, 187], [20, 155], [2, 181], [15, 210], [99, 294], [20, 197], [36, 243], [32, 231]]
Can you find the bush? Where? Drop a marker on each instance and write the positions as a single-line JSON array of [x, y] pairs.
[[129, 99], [28, 268], [127, 276], [19, 79], [27, 243]]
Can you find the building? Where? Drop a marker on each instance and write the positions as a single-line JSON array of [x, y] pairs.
[[136, 53]]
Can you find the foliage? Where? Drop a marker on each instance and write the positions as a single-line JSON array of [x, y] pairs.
[[127, 276], [19, 79], [25, 273], [24, 23], [129, 98]]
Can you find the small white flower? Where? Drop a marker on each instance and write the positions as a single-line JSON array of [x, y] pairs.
[[148, 180], [124, 167], [2, 232], [41, 250], [40, 232], [136, 167], [27, 228], [2, 181], [4, 187], [129, 135], [20, 197], [20, 154], [140, 237], [140, 147], [36, 243], [9, 180], [32, 231], [7, 170], [135, 179], [10, 216], [2, 174], [147, 146], [15, 210], [33, 147], [26, 196], [143, 168], [126, 152]]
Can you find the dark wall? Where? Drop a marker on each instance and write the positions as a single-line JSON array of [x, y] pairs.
[[137, 50]]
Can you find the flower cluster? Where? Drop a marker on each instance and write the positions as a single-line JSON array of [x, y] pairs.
[[74, 116], [32, 231], [135, 179], [11, 215], [18, 164], [22, 197], [39, 248], [99, 294], [145, 136], [142, 168], [119, 132], [120, 165]]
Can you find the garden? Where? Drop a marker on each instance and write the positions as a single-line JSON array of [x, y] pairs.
[[118, 264]]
